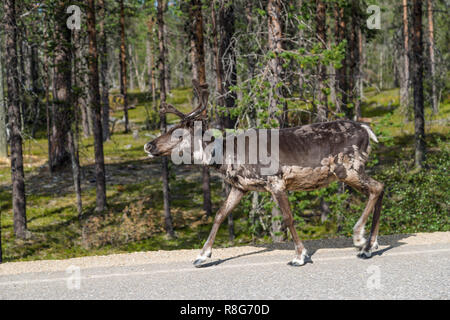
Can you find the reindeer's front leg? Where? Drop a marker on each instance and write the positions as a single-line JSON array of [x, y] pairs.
[[300, 252], [234, 197]]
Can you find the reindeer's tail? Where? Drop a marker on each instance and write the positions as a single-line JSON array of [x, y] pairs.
[[370, 132]]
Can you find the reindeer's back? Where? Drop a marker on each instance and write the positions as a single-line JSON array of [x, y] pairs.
[[308, 145]]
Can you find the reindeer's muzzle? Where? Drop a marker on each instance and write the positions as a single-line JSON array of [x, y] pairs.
[[149, 148]]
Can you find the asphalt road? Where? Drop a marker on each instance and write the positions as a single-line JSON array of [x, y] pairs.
[[404, 267]]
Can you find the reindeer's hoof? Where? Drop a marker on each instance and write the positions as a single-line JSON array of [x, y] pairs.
[[198, 262], [298, 262], [201, 259], [366, 253]]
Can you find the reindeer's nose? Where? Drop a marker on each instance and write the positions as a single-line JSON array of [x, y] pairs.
[[148, 147]]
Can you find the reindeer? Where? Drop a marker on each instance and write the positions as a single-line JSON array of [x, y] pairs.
[[310, 157]]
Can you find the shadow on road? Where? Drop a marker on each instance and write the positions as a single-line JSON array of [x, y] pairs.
[[392, 241], [220, 261]]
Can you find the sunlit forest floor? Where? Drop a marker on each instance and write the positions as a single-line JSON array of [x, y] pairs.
[[414, 201]]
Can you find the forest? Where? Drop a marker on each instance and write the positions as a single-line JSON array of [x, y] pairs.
[[83, 83]]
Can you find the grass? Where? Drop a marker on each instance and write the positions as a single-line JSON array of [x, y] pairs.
[[134, 220]]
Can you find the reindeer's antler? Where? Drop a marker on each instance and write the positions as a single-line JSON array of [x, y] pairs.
[[202, 92], [168, 108]]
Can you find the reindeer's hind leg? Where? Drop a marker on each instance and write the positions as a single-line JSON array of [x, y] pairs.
[[234, 197], [373, 244], [300, 252], [374, 190]]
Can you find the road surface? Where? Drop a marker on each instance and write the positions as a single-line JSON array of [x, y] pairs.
[[413, 266]]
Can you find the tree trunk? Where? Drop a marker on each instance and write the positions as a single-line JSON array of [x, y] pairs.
[[96, 109], [62, 88], [434, 98], [193, 63], [337, 72], [46, 67], [151, 63], [130, 68], [360, 72], [35, 90], [83, 98], [22, 76], [166, 65], [123, 66], [3, 137], [196, 7], [321, 22], [355, 61], [342, 78], [404, 84], [417, 80], [75, 171], [165, 168], [228, 56], [275, 64], [225, 59], [352, 61], [104, 71], [12, 81], [72, 136], [331, 70]]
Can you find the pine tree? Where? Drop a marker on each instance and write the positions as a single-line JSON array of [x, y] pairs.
[[14, 116]]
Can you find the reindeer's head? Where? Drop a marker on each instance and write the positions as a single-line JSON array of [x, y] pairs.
[[164, 144]]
